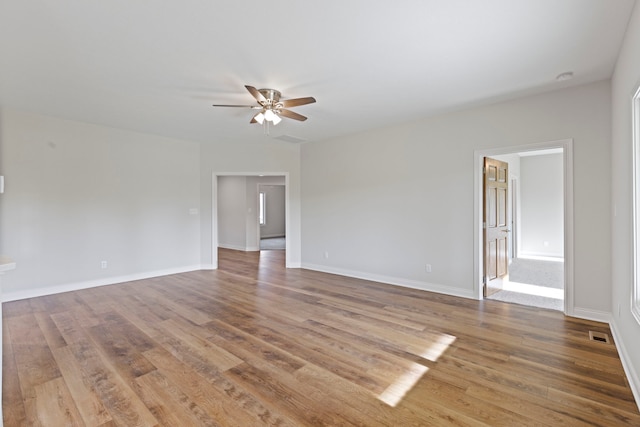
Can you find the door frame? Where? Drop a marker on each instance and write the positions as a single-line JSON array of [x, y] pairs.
[[214, 212], [567, 150], [515, 222]]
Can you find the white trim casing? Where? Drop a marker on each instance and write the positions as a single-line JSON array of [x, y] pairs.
[[632, 375], [635, 200], [479, 155], [214, 214]]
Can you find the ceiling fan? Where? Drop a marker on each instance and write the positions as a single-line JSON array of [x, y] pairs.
[[271, 107]]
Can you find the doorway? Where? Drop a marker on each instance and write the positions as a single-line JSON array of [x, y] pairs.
[[246, 234], [526, 262]]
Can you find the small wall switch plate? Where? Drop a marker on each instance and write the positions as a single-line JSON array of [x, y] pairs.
[[428, 268]]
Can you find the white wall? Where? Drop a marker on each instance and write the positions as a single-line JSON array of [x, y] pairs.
[[625, 82], [232, 212], [384, 203], [238, 210], [78, 194], [275, 213], [265, 156], [542, 199]]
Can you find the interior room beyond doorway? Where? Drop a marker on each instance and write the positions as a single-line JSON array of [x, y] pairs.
[[272, 216], [237, 218], [536, 223]]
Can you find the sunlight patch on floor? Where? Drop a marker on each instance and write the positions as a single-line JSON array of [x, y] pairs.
[[405, 382], [436, 350], [542, 291], [393, 394]]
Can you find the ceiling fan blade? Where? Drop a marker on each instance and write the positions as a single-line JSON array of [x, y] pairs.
[[256, 94], [239, 106], [253, 120], [298, 101], [290, 114]]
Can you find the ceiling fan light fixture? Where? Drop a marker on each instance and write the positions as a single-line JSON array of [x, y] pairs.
[[271, 109], [269, 115]]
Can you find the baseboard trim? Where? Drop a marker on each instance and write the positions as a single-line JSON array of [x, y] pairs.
[[525, 254], [396, 281], [232, 247], [239, 248], [589, 314], [51, 290], [632, 374]]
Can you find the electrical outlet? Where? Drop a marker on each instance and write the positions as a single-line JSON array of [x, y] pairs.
[[428, 268], [326, 254], [103, 264]]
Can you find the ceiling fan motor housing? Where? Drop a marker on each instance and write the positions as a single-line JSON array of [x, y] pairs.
[[270, 104], [272, 96]]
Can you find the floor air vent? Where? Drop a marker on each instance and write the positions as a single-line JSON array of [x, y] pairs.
[[599, 336]]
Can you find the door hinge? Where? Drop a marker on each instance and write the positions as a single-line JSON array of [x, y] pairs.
[[484, 280], [484, 225]]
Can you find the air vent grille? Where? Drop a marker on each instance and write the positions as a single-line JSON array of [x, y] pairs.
[[599, 337], [289, 138]]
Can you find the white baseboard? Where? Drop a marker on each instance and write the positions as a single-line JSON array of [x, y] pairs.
[[629, 370], [541, 255], [239, 248], [589, 314], [407, 283], [50, 290], [232, 247]]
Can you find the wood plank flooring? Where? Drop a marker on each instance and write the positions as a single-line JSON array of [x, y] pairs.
[[255, 344]]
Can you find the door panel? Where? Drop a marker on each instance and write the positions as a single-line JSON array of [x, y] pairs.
[[496, 232], [502, 207], [492, 261]]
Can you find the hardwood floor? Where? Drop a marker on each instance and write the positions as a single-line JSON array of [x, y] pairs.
[[254, 344]]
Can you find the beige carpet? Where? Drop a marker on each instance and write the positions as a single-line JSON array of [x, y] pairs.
[[275, 243], [547, 278]]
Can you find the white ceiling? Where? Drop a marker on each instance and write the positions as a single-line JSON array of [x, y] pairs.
[[157, 66]]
